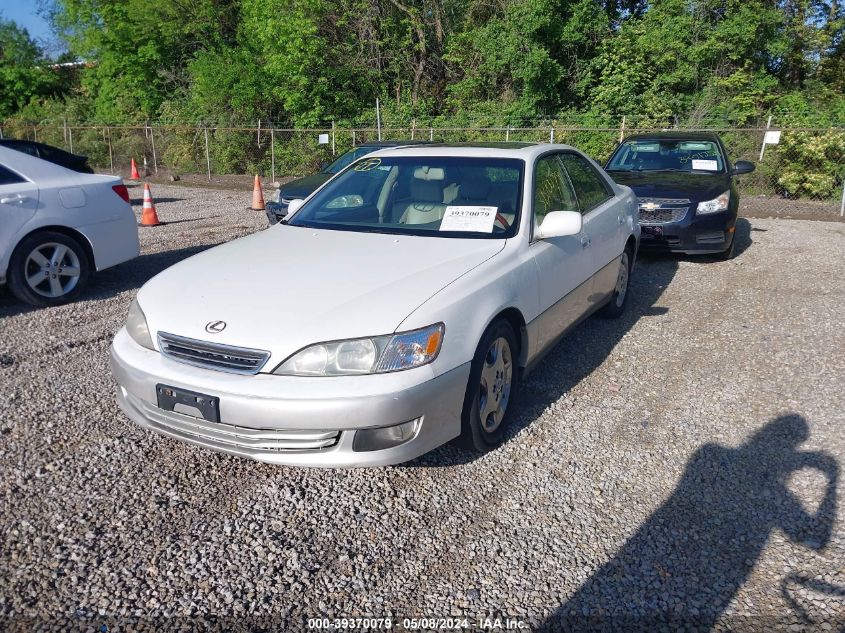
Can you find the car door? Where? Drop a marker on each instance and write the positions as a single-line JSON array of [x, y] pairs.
[[563, 265], [604, 219], [18, 202]]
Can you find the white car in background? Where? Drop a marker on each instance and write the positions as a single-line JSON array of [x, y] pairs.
[[57, 226], [389, 313]]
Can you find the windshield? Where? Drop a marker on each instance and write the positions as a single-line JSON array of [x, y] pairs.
[[436, 196], [667, 155], [346, 159]]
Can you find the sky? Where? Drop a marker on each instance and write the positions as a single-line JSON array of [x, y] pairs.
[[25, 13]]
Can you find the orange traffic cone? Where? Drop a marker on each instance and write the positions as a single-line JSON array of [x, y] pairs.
[[149, 217], [134, 175], [257, 196]]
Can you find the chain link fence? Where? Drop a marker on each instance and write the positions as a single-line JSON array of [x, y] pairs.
[[804, 173]]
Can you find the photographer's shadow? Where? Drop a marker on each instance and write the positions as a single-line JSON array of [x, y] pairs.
[[687, 561]]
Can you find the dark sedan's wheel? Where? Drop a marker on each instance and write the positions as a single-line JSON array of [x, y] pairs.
[[48, 269], [730, 251], [492, 383], [616, 306]]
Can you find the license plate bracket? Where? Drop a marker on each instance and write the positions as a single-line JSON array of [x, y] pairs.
[[169, 398], [652, 231]]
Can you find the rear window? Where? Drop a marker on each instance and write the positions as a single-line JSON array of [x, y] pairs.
[[695, 156]]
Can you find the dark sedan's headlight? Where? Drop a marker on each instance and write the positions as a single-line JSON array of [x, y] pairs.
[[716, 205]]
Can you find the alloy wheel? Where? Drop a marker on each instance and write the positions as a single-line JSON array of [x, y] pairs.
[[52, 270]]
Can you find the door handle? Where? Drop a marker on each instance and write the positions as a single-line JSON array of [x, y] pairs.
[[18, 198]]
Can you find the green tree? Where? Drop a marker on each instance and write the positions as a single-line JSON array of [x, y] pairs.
[[24, 74]]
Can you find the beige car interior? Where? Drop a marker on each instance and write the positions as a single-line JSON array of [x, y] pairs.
[[432, 189]]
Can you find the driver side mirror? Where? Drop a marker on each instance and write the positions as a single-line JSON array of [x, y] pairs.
[[294, 205], [560, 224], [743, 167]]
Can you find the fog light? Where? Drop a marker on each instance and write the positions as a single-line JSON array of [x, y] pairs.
[[385, 437]]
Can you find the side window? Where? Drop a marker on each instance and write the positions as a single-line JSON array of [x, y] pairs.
[[552, 191], [8, 177], [589, 186]]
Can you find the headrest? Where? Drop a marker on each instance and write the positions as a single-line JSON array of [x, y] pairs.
[[426, 190], [475, 188], [429, 173]]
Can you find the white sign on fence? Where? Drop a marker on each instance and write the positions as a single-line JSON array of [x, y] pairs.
[[772, 137], [323, 139]]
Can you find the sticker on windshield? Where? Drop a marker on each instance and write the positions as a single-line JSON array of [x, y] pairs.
[[707, 165], [469, 218], [367, 165]]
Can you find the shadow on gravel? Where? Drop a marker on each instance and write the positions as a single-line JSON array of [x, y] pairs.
[[112, 281], [687, 561], [574, 358]]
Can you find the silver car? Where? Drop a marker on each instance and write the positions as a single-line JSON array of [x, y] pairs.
[[392, 311]]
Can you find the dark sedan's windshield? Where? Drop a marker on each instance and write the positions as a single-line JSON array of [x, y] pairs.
[[437, 196], [346, 159], [698, 156]]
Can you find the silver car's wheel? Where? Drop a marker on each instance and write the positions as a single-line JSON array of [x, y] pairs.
[[495, 386], [492, 386], [48, 268], [622, 280], [615, 306], [52, 270]]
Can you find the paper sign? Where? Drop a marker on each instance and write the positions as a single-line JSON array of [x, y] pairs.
[[708, 165], [469, 218], [323, 139], [772, 137]]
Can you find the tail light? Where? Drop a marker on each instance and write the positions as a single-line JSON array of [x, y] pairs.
[[122, 191]]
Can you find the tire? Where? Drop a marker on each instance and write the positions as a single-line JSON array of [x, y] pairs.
[[492, 380], [729, 252], [62, 261], [615, 308]]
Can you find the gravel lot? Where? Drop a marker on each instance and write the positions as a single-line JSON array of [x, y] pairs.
[[678, 463]]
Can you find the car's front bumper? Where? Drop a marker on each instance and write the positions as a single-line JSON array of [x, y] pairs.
[[694, 234], [289, 420]]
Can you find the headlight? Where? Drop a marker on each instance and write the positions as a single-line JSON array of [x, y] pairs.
[[136, 325], [714, 206], [376, 355]]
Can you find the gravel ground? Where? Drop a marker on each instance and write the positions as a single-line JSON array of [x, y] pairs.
[[679, 464]]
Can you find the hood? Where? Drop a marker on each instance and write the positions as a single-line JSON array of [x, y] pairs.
[[672, 184], [287, 287], [303, 187]]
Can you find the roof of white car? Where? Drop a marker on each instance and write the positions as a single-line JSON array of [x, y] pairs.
[[524, 151], [41, 171]]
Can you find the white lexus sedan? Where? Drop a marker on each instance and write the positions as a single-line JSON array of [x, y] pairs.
[[390, 312], [57, 226]]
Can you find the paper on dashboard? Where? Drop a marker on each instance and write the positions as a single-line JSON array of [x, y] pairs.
[[707, 165], [478, 219]]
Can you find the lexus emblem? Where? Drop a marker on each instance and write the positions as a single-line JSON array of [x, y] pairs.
[[215, 327]]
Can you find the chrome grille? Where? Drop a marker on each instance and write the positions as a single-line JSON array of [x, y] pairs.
[[662, 210], [235, 437], [236, 360]]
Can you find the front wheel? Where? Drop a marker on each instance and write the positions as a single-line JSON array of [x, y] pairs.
[[730, 251], [616, 306], [47, 269], [491, 387]]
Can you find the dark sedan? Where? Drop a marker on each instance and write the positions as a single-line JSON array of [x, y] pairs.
[[304, 187], [686, 190], [49, 153]]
